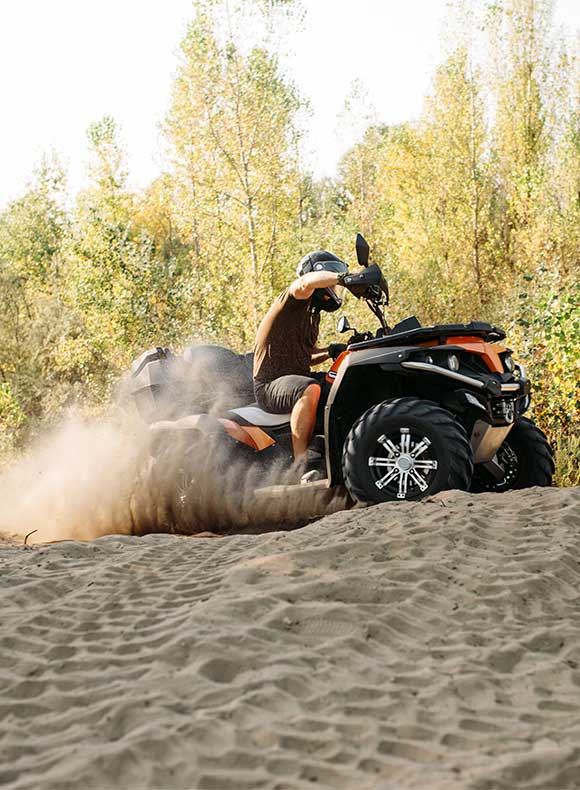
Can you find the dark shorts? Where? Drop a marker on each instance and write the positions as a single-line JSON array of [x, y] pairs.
[[280, 395]]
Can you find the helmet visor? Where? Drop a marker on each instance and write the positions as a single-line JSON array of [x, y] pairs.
[[331, 266]]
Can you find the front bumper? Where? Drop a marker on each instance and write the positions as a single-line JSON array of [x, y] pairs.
[[485, 397], [488, 384]]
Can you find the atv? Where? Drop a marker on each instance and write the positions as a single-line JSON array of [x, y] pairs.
[[408, 410]]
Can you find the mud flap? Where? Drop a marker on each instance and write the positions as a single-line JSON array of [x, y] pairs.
[[486, 440]]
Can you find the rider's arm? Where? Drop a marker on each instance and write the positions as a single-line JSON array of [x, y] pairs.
[[304, 286], [319, 355]]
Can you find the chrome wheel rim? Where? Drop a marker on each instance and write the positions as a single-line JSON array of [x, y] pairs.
[[403, 464]]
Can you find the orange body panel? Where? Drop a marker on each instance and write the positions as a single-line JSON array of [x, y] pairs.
[[475, 345], [260, 438], [254, 437], [335, 366]]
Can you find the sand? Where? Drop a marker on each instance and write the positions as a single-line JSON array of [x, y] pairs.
[[427, 645]]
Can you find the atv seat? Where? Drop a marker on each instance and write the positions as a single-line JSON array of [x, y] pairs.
[[254, 415]]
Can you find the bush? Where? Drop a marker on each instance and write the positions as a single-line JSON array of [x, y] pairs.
[[549, 330], [12, 418]]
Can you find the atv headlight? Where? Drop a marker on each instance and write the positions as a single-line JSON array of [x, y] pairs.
[[509, 363], [453, 362]]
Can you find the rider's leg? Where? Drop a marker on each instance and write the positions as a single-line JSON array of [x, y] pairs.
[[303, 420]]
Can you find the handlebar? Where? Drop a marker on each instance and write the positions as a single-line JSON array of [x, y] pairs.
[[368, 284]]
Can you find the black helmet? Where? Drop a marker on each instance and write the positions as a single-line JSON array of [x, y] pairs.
[[323, 298]]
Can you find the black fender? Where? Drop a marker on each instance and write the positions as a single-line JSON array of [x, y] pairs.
[[363, 379]]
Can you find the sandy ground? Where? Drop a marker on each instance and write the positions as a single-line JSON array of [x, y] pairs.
[[420, 645]]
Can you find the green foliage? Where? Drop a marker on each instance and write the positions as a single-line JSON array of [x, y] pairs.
[[32, 315], [12, 418], [11, 414], [549, 344], [567, 452], [32, 227], [473, 210], [233, 136]]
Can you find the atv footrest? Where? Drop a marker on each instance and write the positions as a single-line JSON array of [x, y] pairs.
[[269, 492]]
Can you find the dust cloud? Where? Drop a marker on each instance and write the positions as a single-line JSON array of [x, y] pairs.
[[119, 475], [74, 483], [91, 478]]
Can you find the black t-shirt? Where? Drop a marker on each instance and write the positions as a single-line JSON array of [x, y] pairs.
[[286, 339]]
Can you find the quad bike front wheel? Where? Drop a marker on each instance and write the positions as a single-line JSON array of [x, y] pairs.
[[525, 457], [405, 449]]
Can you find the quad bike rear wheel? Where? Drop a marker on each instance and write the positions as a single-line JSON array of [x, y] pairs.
[[525, 457], [405, 449]]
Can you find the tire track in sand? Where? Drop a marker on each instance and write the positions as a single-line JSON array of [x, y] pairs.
[[435, 643]]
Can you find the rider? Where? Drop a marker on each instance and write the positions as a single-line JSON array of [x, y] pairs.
[[286, 345]]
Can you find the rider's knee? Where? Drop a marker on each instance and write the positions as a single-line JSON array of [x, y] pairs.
[[312, 392], [309, 399]]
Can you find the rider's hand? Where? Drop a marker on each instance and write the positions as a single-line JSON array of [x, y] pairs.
[[350, 281], [336, 349]]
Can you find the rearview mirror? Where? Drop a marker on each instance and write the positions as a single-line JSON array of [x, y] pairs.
[[362, 250], [343, 325]]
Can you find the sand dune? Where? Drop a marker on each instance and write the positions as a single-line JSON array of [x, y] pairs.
[[420, 645]]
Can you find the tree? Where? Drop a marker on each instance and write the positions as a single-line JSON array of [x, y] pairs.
[[428, 196], [33, 231], [232, 131], [120, 279], [459, 188], [523, 125]]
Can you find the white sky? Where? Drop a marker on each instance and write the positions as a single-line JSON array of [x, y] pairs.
[[65, 63]]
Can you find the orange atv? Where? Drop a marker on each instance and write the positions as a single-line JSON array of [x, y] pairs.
[[409, 411]]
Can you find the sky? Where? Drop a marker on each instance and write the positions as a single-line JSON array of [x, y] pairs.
[[66, 63]]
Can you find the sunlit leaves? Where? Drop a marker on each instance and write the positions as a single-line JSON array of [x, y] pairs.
[[232, 134]]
